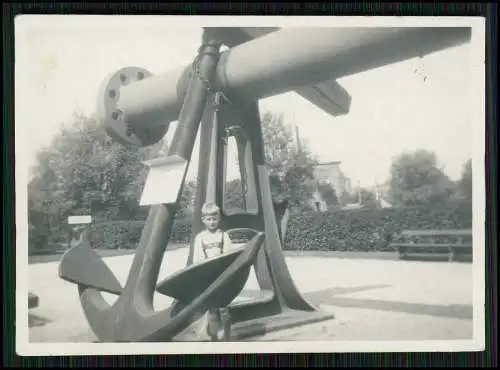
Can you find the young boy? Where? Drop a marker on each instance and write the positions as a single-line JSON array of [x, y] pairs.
[[209, 243]]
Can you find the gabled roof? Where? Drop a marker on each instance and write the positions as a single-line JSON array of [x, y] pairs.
[[327, 163]]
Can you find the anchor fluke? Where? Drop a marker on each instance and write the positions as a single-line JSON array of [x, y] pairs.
[[82, 265], [189, 283], [126, 322]]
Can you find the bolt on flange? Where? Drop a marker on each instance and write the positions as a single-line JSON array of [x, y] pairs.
[[115, 120]]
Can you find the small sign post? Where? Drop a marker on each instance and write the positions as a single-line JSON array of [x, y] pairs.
[[164, 181], [79, 222]]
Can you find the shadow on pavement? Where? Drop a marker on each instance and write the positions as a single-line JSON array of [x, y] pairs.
[[330, 297], [35, 320], [451, 311]]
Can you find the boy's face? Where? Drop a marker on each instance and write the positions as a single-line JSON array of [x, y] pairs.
[[211, 222]]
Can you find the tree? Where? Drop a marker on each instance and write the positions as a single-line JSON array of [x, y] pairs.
[[368, 198], [328, 194], [233, 196], [84, 170], [187, 200], [290, 170], [465, 182], [291, 173], [347, 198], [462, 192], [38, 230], [416, 180]]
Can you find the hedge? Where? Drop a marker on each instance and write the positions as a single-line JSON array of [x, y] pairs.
[[354, 230], [126, 234], [115, 234], [369, 229]]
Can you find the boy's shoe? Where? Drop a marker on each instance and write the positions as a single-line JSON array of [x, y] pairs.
[[212, 332], [224, 335], [220, 335]]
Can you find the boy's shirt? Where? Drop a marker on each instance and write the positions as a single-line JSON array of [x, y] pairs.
[[207, 245]]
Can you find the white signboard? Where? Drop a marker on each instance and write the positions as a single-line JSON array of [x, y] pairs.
[[76, 220], [164, 180]]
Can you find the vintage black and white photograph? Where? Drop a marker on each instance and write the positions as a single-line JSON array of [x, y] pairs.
[[189, 184]]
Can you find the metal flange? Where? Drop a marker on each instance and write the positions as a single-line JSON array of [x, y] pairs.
[[114, 118]]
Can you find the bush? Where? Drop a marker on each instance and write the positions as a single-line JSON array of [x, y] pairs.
[[37, 240], [354, 230], [127, 234], [115, 234], [181, 232], [369, 229]]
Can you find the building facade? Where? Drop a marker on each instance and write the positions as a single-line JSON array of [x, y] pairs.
[[330, 173]]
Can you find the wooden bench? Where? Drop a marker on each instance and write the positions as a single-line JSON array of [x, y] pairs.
[[453, 245]]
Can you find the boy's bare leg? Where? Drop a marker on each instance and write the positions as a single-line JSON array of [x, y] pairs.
[[225, 318], [219, 320], [213, 324]]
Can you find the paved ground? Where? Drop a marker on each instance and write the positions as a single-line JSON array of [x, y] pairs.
[[372, 299], [44, 258]]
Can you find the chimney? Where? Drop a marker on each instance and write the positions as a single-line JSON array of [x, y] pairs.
[[297, 139]]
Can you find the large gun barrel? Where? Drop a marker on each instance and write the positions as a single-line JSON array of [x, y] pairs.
[[136, 107]]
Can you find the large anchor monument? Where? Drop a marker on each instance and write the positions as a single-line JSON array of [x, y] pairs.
[[218, 95]]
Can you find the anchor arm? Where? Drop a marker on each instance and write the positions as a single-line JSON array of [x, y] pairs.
[[183, 311]]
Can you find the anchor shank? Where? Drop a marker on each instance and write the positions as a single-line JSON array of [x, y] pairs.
[[150, 256], [206, 142], [212, 180], [192, 110]]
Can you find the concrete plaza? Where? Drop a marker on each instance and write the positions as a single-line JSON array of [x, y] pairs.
[[372, 299]]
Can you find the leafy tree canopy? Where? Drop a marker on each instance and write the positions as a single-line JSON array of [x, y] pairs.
[[416, 179], [84, 170]]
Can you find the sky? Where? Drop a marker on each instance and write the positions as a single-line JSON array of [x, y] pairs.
[[61, 61]]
